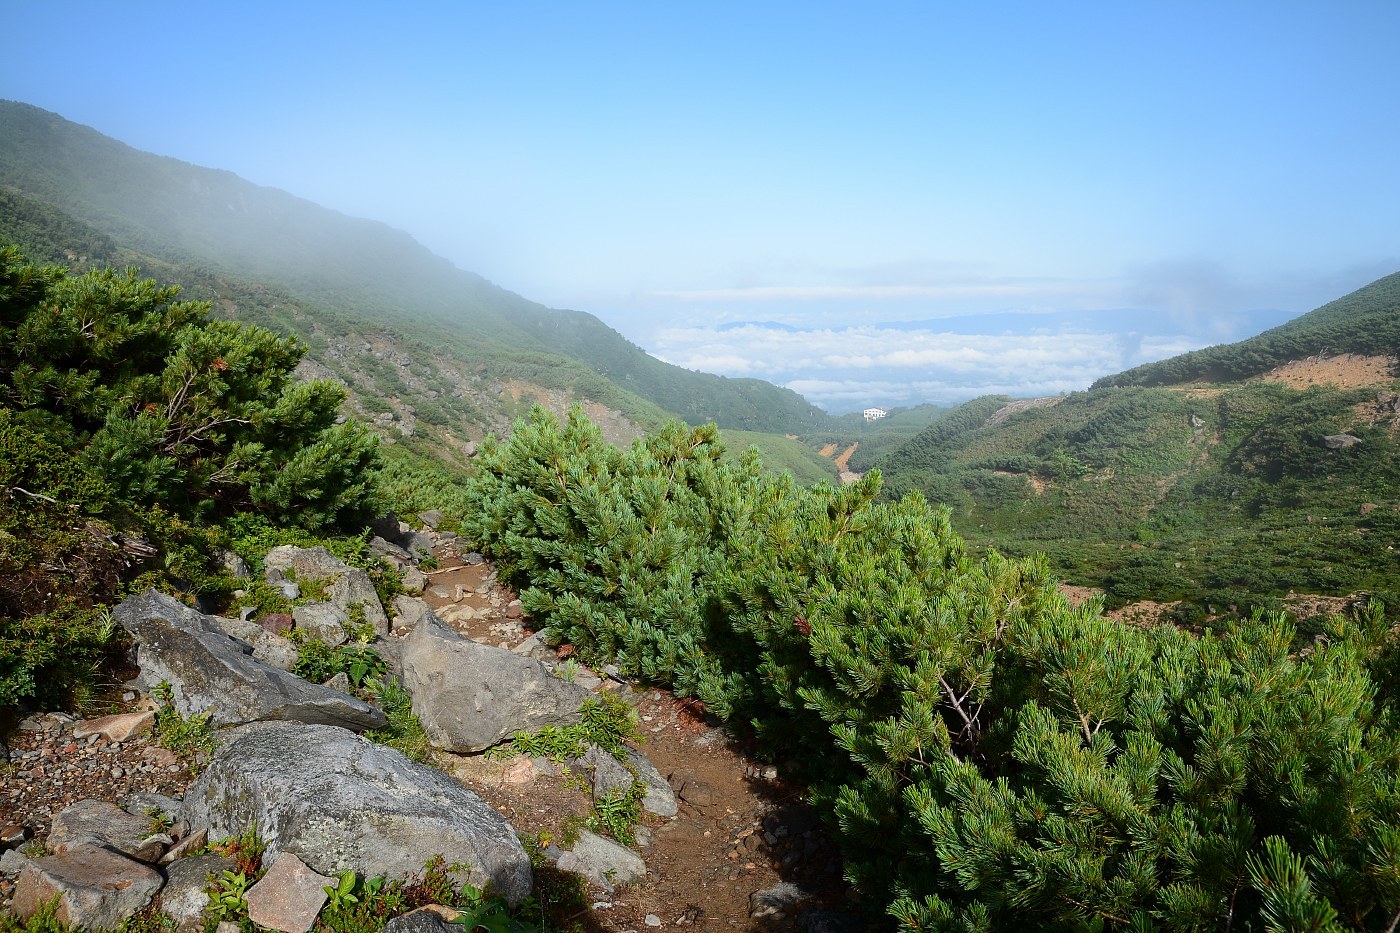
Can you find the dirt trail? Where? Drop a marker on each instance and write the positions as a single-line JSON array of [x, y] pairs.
[[746, 831]]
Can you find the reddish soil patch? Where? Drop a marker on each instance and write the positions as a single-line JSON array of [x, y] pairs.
[[1346, 371], [844, 460]]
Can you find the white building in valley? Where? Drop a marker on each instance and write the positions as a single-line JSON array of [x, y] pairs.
[[875, 414]]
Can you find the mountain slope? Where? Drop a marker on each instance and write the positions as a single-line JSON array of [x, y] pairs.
[[1367, 321], [1187, 481], [215, 227]]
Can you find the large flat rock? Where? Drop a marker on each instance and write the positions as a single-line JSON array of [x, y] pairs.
[[471, 696], [338, 801], [96, 888], [210, 672]]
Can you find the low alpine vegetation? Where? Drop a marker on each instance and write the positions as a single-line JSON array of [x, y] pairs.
[[994, 758]]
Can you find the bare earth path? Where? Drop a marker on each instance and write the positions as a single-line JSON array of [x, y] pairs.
[[745, 831]]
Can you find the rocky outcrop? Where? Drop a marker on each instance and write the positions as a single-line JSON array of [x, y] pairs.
[[471, 696], [611, 777], [209, 672], [104, 824], [347, 588], [338, 801]]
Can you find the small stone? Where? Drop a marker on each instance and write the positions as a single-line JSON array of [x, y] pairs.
[[12, 835], [653, 920], [288, 897], [278, 623]]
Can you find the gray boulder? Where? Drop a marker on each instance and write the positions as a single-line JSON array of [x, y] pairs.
[[324, 622], [100, 823], [338, 802], [409, 611], [269, 648], [471, 696], [1340, 441], [611, 777], [185, 894], [778, 902], [422, 920], [390, 553], [603, 861], [96, 888], [209, 672]]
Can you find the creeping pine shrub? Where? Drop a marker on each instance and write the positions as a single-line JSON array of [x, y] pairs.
[[995, 758]]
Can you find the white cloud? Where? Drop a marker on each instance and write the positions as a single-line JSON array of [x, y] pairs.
[[846, 368]]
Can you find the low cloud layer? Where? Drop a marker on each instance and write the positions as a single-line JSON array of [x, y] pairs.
[[943, 362]]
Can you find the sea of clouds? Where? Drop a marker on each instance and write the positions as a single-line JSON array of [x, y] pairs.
[[947, 361]]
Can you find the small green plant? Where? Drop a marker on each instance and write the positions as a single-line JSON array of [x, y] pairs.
[[159, 822], [227, 898], [246, 850], [619, 812], [190, 737], [44, 920], [608, 722], [148, 920], [481, 911], [568, 671], [342, 895], [319, 662], [404, 731]]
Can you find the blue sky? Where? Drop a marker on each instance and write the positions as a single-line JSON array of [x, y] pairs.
[[679, 168]]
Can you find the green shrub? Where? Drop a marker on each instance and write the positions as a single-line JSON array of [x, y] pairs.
[[993, 758]]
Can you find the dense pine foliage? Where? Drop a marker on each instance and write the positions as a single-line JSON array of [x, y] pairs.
[[994, 759], [129, 423]]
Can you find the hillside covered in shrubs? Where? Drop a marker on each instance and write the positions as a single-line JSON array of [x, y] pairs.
[[991, 757], [994, 758]]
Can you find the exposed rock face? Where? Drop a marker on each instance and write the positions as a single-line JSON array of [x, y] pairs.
[[209, 672], [185, 894], [1340, 441], [338, 801], [96, 887], [471, 696], [611, 777], [116, 728], [268, 646]]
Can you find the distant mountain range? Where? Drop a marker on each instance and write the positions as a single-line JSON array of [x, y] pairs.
[[425, 347]]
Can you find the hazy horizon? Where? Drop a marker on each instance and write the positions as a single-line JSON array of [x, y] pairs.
[[889, 205]]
